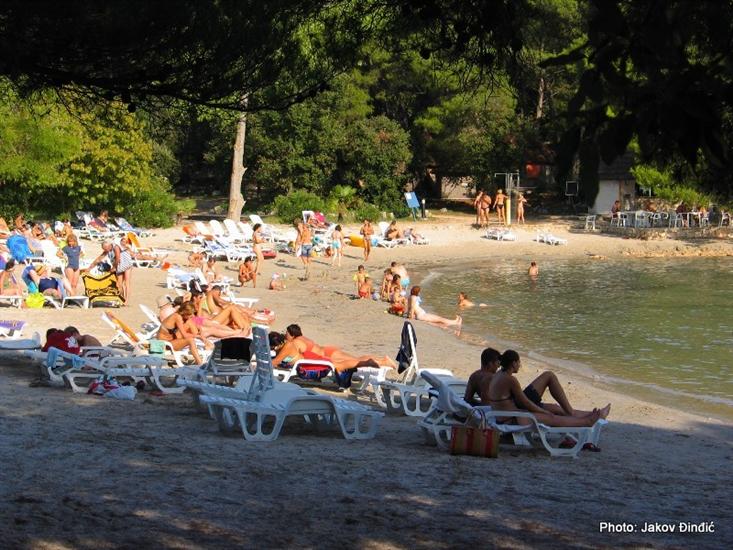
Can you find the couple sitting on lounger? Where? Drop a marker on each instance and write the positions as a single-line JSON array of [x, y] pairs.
[[496, 385], [293, 346]]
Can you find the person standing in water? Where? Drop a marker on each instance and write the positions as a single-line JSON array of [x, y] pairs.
[[533, 270]]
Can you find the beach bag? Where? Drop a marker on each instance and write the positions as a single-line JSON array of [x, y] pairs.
[[313, 372], [102, 291], [35, 300], [474, 442]]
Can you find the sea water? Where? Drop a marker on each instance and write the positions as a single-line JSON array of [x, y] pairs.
[[660, 329]]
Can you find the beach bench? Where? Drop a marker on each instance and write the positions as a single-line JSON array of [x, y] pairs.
[[450, 410], [261, 404]]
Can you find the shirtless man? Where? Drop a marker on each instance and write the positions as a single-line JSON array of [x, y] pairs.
[[479, 382], [477, 208], [533, 270], [84, 340], [399, 269], [367, 231], [238, 317], [499, 205], [247, 272], [485, 208], [304, 240]]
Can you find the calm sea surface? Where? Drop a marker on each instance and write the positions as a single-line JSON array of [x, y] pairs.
[[661, 329]]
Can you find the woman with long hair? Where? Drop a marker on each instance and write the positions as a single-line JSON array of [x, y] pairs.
[[415, 311]]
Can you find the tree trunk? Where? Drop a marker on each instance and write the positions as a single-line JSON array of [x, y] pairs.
[[540, 99], [236, 199]]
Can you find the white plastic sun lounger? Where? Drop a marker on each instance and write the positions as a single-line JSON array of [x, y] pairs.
[[261, 410], [410, 394], [441, 418], [21, 344]]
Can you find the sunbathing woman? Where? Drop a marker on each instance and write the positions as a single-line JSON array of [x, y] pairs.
[[9, 285], [505, 394], [393, 232], [213, 326], [174, 329], [415, 311], [297, 347]]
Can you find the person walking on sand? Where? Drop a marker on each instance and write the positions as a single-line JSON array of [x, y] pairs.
[[521, 201], [304, 240], [533, 270], [367, 231], [499, 205], [337, 245]]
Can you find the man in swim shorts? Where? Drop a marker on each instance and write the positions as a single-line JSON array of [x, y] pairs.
[[305, 242]]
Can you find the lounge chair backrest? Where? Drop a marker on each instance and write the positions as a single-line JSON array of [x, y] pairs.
[[122, 326], [255, 218], [231, 227], [124, 224], [246, 230], [219, 364], [383, 226], [201, 228], [448, 400], [408, 351], [216, 228], [263, 379]]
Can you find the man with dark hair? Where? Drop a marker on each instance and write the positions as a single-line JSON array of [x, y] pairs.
[[479, 381], [84, 340]]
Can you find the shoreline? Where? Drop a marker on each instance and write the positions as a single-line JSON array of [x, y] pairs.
[[162, 464], [715, 407]]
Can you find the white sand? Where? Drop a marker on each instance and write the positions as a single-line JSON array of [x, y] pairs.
[[86, 472]]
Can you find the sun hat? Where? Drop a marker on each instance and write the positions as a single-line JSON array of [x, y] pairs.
[[163, 301]]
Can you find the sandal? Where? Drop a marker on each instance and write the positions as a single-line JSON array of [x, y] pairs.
[[567, 443], [592, 448]]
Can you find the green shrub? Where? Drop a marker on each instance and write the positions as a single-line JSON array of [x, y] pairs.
[[156, 206], [367, 211], [290, 207]]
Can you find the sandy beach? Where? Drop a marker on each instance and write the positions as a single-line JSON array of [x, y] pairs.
[[86, 472]]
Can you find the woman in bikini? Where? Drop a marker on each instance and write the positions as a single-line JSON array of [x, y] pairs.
[[298, 347], [9, 285], [176, 330], [521, 202], [499, 205], [212, 326], [505, 394], [415, 311], [257, 241]]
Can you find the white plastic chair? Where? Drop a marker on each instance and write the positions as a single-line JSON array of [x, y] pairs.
[[261, 404]]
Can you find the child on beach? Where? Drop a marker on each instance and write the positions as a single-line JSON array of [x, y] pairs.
[[365, 288], [276, 283], [72, 251], [386, 282], [367, 231], [248, 272], [521, 201], [397, 296], [337, 245], [359, 277]]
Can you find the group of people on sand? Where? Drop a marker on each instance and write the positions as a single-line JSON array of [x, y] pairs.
[[483, 204], [496, 385], [393, 289], [200, 314]]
